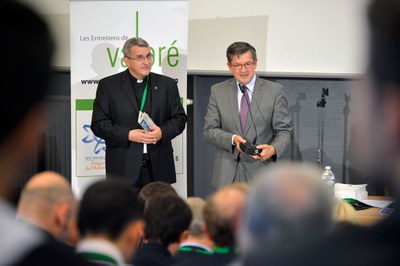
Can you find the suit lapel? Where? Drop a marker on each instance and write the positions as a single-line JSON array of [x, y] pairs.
[[233, 103], [127, 87], [258, 92], [154, 95]]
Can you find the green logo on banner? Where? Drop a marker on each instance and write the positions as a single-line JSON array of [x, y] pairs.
[[84, 104], [170, 52]]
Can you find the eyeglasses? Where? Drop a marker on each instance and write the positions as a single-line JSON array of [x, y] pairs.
[[246, 65], [140, 58]]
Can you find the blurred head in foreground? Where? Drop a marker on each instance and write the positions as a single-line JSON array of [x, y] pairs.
[[378, 130], [25, 35], [196, 232], [47, 202], [155, 189], [289, 202], [222, 212], [110, 211], [166, 218]]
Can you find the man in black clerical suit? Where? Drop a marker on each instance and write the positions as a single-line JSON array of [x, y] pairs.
[[136, 154]]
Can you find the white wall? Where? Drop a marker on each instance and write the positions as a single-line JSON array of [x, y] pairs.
[[292, 37], [56, 12]]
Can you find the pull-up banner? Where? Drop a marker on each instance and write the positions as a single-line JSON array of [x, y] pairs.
[[99, 30]]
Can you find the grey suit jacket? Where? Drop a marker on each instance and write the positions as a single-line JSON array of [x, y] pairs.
[[271, 118]]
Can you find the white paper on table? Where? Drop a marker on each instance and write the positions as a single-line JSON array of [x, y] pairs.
[[377, 203]]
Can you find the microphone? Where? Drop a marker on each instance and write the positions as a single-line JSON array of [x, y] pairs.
[[242, 89], [248, 148]]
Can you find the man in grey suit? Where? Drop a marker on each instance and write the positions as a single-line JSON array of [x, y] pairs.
[[245, 109]]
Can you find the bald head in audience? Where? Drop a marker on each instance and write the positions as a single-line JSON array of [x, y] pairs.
[[222, 212], [48, 202]]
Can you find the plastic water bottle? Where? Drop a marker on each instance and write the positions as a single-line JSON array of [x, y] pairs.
[[328, 177]]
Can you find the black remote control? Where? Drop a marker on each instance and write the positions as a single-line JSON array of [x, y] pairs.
[[250, 149]]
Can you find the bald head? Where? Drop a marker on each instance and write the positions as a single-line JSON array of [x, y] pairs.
[[45, 189], [229, 201], [48, 202], [47, 179], [222, 212]]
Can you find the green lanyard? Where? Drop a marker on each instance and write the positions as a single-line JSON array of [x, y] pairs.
[[222, 250], [198, 250], [144, 95], [226, 250], [99, 257]]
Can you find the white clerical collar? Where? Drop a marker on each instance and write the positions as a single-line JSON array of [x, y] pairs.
[[139, 80]]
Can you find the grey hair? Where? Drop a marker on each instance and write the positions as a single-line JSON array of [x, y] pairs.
[[288, 202], [136, 41], [196, 205]]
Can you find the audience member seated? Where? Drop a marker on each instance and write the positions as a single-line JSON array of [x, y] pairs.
[[73, 230], [377, 150], [155, 189], [24, 83], [287, 204], [196, 245], [109, 221], [48, 203], [167, 218], [221, 215]]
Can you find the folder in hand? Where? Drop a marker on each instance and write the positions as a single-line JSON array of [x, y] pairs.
[[145, 121]]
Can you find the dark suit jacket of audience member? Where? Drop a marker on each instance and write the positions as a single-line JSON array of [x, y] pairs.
[[51, 239], [192, 256], [222, 256], [53, 252], [152, 254], [378, 245]]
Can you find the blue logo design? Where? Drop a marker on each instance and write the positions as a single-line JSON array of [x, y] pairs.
[[100, 143]]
